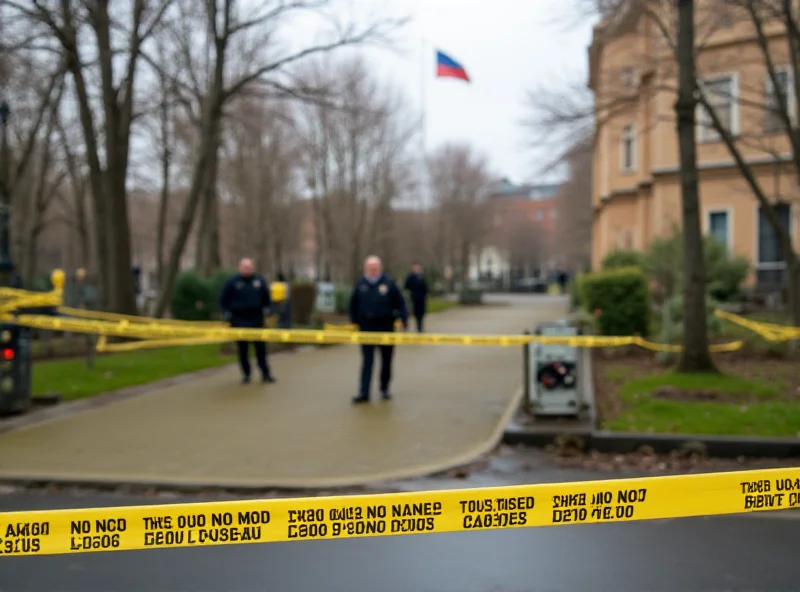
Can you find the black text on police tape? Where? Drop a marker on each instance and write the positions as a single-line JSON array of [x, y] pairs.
[[603, 506], [23, 537], [361, 521], [765, 494], [499, 512], [87, 535], [202, 529]]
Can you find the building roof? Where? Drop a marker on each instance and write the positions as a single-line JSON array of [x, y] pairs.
[[505, 189]]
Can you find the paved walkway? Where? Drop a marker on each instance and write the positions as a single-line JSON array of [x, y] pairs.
[[450, 404]]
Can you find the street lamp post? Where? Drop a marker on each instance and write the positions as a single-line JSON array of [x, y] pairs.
[[6, 263]]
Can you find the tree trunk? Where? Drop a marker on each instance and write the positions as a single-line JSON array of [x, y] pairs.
[[209, 134], [207, 250], [166, 169], [695, 356]]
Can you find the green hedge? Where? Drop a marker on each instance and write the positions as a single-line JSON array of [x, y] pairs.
[[192, 298], [619, 258], [342, 299], [622, 299]]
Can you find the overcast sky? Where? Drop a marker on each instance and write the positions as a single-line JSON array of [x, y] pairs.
[[507, 47]]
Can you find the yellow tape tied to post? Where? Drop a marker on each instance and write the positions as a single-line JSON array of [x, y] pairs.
[[466, 510]]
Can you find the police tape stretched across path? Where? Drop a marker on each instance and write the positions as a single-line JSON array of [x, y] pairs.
[[148, 329], [277, 520]]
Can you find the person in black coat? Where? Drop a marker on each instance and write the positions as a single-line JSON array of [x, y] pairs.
[[375, 303], [243, 299], [417, 287]]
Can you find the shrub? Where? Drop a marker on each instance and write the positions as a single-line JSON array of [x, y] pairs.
[[304, 295], [673, 332], [725, 273], [192, 298], [672, 324], [215, 283], [620, 258], [342, 297], [622, 298]]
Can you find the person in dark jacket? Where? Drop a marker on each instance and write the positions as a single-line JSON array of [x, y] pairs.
[[375, 303], [243, 299], [417, 287]]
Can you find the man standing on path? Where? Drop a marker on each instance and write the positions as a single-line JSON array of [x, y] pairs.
[[417, 287], [243, 300], [374, 304]]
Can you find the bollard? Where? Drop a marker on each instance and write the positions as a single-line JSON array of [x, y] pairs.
[[58, 278]]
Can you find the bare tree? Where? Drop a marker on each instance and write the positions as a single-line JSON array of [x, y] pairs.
[[573, 228], [459, 181], [258, 166], [75, 29], [74, 201], [259, 69], [356, 163], [32, 180], [526, 245]]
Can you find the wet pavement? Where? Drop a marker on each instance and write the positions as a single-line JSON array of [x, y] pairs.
[[450, 406]]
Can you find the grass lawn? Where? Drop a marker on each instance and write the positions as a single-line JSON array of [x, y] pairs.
[[73, 380], [440, 305], [752, 397]]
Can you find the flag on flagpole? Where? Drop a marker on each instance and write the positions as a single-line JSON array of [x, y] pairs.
[[447, 67]]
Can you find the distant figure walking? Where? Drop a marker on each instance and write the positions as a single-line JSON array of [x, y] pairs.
[[374, 304], [417, 287], [243, 300]]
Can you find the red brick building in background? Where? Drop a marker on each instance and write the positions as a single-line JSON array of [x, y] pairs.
[[520, 242]]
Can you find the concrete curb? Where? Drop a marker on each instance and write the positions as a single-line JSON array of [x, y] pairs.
[[627, 442]]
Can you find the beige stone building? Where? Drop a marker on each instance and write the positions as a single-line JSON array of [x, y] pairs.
[[636, 190]]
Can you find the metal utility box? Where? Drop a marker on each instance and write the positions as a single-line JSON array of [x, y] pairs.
[[15, 369], [553, 376], [326, 297]]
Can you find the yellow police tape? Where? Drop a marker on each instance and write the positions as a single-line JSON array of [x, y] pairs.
[[155, 333], [51, 532], [111, 316], [768, 331]]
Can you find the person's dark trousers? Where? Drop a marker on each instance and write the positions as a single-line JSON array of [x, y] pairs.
[[367, 363], [419, 315], [261, 357]]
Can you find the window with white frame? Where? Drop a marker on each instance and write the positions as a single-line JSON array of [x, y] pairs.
[[773, 118], [628, 148], [718, 226], [721, 94], [770, 266]]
